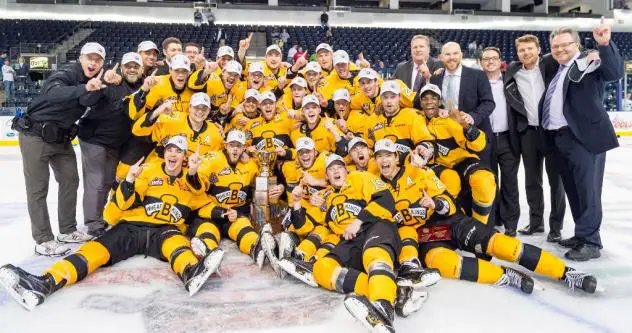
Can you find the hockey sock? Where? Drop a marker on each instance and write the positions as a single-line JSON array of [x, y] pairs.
[[410, 245], [483, 187], [528, 256], [177, 250], [209, 234], [330, 275], [78, 265], [242, 232], [452, 265], [378, 262]]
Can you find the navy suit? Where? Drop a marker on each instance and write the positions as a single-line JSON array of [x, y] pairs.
[[581, 146]]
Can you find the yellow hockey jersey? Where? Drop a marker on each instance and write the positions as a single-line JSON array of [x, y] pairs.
[[142, 102], [452, 144], [333, 82], [266, 135], [213, 86], [324, 140], [360, 101], [238, 92], [356, 122], [406, 128]]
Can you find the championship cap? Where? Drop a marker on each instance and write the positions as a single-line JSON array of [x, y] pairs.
[[310, 99], [268, 95], [390, 86], [131, 57], [255, 67], [178, 141], [200, 98], [96, 48], [342, 94], [225, 51], [233, 67], [313, 66], [367, 73], [333, 158], [356, 140], [299, 81], [252, 93], [385, 145], [236, 136], [305, 143], [180, 61], [324, 46], [430, 87], [341, 57], [147, 45], [273, 47]]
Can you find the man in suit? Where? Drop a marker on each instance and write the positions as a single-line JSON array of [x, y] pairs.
[[505, 146], [467, 90], [417, 71], [524, 88], [578, 129]]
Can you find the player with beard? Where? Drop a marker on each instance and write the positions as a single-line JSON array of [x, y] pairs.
[[360, 157], [247, 110], [323, 131], [350, 122], [342, 77], [432, 229], [271, 130], [312, 74], [103, 131], [218, 88], [149, 53], [254, 80], [273, 70], [369, 95], [156, 202]]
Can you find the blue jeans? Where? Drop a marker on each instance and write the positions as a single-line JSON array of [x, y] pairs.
[[8, 91]]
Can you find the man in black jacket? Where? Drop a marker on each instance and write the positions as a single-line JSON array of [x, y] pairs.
[[102, 132], [525, 81], [417, 71], [46, 132]]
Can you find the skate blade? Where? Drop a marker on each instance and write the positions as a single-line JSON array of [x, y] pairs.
[[290, 269], [268, 245], [360, 312], [9, 281], [286, 245], [537, 286], [600, 289], [211, 263], [425, 282]]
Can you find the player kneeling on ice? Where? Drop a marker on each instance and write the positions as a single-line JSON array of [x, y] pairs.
[[155, 200], [432, 229]]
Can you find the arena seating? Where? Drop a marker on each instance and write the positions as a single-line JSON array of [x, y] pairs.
[[14, 32]]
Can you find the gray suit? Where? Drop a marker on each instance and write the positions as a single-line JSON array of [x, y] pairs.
[[404, 71]]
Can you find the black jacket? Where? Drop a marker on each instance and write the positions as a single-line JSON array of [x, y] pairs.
[[62, 98], [404, 71], [107, 123]]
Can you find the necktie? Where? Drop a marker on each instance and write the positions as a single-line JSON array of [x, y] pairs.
[[450, 99], [546, 106], [417, 83]]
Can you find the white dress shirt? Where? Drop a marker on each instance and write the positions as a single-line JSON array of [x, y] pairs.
[[499, 118], [413, 75], [556, 113], [456, 84], [531, 87]]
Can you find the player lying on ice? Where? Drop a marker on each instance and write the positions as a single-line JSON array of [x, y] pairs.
[[155, 200]]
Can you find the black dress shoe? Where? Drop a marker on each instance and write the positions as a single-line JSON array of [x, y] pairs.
[[570, 242], [583, 252], [530, 231], [554, 237], [510, 233]]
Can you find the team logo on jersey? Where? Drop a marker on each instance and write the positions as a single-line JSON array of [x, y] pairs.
[[213, 178], [409, 181], [165, 210], [156, 182], [233, 196], [378, 184], [342, 210], [224, 172], [443, 149]]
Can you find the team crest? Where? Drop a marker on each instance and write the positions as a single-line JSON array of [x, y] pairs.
[[213, 178]]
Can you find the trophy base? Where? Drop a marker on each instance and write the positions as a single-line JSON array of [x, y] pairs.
[[272, 214]]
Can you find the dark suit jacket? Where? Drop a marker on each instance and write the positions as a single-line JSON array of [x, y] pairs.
[[583, 102], [404, 71], [475, 96]]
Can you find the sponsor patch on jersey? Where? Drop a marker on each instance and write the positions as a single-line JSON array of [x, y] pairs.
[[224, 172], [213, 178], [378, 126], [255, 124], [443, 149], [156, 182]]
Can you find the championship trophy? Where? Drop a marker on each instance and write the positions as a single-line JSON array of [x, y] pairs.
[[264, 208]]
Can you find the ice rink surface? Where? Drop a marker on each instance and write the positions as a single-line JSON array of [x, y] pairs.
[[143, 295]]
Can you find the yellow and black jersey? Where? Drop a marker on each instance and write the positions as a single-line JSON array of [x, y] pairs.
[[238, 92], [324, 140], [363, 196], [356, 122], [270, 78], [324, 73], [266, 135], [213, 87], [371, 167], [360, 101], [408, 187], [406, 128], [157, 198], [452, 143], [286, 102], [234, 122], [333, 82], [142, 102], [229, 186], [165, 126], [293, 174]]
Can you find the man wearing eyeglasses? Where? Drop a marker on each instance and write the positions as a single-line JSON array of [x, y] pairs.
[[579, 131], [505, 151]]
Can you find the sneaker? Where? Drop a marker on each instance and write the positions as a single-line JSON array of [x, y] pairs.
[[52, 249], [299, 269], [287, 243], [516, 279], [74, 237], [576, 279], [375, 316], [194, 276], [409, 300], [25, 288], [412, 274]]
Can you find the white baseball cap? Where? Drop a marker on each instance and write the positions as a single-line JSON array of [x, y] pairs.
[[299, 81], [180, 61], [342, 94], [367, 73], [356, 140], [233, 67], [386, 145], [267, 95], [225, 51], [310, 99], [236, 136], [147, 45], [255, 67], [131, 57], [390, 86], [333, 158], [341, 56], [178, 141], [324, 46], [305, 143], [273, 47], [200, 98], [313, 66], [430, 87], [96, 48], [252, 93]]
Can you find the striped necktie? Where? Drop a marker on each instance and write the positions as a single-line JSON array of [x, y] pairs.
[[546, 106]]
